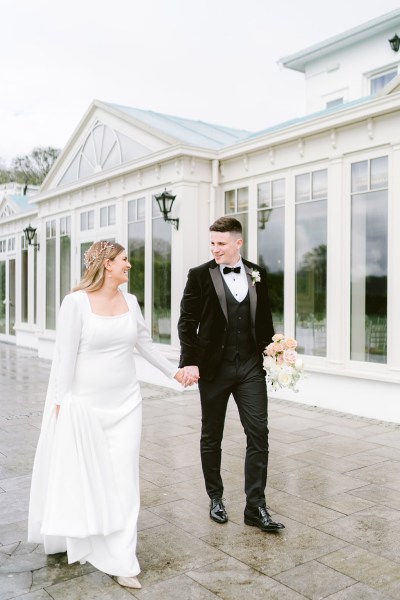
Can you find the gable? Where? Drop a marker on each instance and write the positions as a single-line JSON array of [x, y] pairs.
[[104, 139], [102, 149], [13, 205]]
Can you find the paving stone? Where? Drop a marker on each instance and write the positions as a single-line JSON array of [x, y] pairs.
[[378, 494], [229, 578], [94, 586], [314, 581], [181, 587], [375, 571], [166, 551], [359, 591]]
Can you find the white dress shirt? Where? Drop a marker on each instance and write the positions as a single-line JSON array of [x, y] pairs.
[[237, 282]]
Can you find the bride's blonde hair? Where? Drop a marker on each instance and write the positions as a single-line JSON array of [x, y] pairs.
[[94, 259]]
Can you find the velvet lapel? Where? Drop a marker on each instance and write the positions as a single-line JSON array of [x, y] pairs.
[[219, 288], [252, 295]]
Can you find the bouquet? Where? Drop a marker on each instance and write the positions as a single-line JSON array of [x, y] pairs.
[[282, 363]]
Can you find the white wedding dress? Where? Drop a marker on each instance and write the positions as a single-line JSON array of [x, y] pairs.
[[85, 482]]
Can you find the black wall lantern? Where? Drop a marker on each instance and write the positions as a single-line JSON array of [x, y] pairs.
[[30, 233], [395, 43], [165, 202]]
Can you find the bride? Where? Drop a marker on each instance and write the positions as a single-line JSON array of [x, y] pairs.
[[85, 482]]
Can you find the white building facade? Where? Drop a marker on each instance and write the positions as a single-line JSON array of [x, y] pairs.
[[318, 199]]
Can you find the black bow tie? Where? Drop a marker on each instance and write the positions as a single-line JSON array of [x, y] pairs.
[[231, 269]]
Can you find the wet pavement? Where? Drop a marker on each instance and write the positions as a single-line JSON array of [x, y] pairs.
[[334, 480]]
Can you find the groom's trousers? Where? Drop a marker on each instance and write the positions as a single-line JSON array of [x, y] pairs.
[[245, 380]]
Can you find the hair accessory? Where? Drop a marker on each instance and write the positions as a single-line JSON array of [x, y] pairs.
[[90, 256]]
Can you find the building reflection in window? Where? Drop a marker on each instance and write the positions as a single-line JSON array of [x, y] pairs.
[[271, 243], [136, 248], [65, 256], [24, 280], [51, 274], [161, 261], [311, 258], [369, 240], [237, 206]]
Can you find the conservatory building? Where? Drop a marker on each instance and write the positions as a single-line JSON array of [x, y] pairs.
[[318, 198]]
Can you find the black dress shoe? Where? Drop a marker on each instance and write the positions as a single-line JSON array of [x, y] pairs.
[[217, 511], [260, 517]]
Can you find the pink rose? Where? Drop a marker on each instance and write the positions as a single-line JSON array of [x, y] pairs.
[[278, 347], [270, 350], [290, 357], [290, 343], [277, 337]]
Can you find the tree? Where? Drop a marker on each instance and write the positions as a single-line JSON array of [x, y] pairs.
[[31, 169], [5, 175]]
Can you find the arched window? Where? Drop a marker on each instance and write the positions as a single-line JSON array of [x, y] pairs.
[[102, 149]]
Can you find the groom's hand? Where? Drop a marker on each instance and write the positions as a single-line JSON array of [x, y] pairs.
[[190, 375]]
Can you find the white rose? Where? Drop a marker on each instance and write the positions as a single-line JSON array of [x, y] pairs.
[[299, 364], [284, 378], [269, 363]]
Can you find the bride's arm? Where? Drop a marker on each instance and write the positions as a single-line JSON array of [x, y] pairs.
[[148, 349], [69, 329]]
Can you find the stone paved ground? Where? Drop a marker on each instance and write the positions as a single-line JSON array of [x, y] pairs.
[[334, 480]]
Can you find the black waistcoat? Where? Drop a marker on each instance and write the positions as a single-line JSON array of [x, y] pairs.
[[239, 339]]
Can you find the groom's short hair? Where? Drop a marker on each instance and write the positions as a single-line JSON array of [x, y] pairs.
[[227, 224]]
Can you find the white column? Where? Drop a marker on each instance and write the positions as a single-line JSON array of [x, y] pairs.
[[337, 260], [290, 257]]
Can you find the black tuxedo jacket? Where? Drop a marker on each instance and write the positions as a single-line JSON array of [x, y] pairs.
[[203, 321]]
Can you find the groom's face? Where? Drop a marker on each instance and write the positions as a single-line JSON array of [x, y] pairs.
[[225, 247]]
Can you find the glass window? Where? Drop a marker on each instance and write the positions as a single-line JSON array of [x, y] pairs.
[[65, 256], [86, 220], [107, 216], [335, 102], [11, 296], [161, 317], [271, 245], [369, 243], [319, 184], [236, 205], [302, 187], [103, 216], [242, 199], [311, 261], [264, 195], [359, 176], [3, 296], [230, 202], [379, 173], [136, 248], [378, 82], [24, 281], [111, 215], [278, 192], [85, 246], [50, 275]]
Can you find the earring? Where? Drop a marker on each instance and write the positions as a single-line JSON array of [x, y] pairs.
[[109, 275]]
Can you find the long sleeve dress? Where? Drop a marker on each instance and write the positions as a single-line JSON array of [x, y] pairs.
[[85, 481]]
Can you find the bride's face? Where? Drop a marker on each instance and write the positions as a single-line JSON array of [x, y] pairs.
[[120, 267]]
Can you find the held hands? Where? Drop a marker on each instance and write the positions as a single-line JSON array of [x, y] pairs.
[[187, 376]]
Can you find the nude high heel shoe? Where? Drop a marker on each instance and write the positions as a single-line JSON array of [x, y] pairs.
[[130, 582]]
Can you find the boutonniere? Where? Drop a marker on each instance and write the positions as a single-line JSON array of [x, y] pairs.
[[255, 276]]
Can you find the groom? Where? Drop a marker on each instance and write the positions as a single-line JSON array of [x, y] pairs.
[[224, 326]]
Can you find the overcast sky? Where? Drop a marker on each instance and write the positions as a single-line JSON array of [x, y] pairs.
[[212, 60]]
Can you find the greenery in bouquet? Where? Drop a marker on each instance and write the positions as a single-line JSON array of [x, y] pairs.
[[282, 363]]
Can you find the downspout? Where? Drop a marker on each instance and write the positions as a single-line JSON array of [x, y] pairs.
[[213, 189]]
